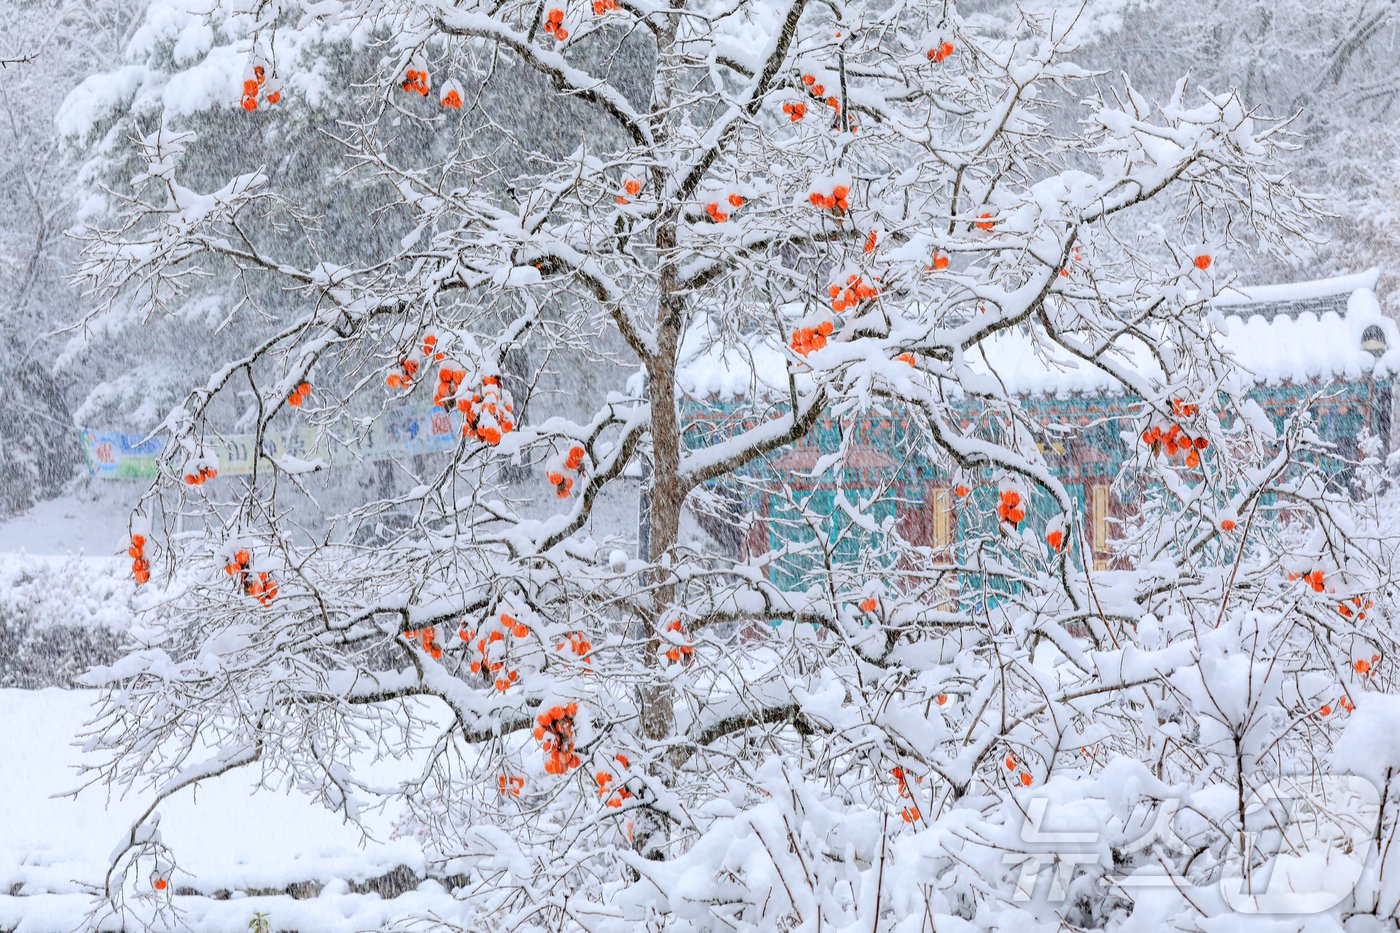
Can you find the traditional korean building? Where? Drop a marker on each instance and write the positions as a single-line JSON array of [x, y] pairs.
[[1325, 345]]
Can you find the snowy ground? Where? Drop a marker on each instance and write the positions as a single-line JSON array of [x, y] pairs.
[[229, 837], [91, 521]]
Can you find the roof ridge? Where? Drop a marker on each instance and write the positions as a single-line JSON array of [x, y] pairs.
[[1286, 292]]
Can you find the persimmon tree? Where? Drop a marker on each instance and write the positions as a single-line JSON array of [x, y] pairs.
[[861, 206]]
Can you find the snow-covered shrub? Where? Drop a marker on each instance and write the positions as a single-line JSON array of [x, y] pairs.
[[59, 617]]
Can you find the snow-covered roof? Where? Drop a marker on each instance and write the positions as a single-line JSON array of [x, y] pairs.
[[1311, 330], [1295, 333]]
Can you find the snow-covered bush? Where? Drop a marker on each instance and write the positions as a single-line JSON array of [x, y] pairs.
[[858, 205], [59, 617]]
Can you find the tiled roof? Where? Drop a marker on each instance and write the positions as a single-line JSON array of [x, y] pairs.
[[1296, 333]]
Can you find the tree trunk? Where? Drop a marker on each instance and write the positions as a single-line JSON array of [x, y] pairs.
[[657, 699], [39, 450], [667, 491]]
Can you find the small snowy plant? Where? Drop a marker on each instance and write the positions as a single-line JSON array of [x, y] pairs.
[[864, 208]]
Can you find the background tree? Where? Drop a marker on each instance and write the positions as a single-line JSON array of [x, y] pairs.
[[44, 43], [1329, 68]]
